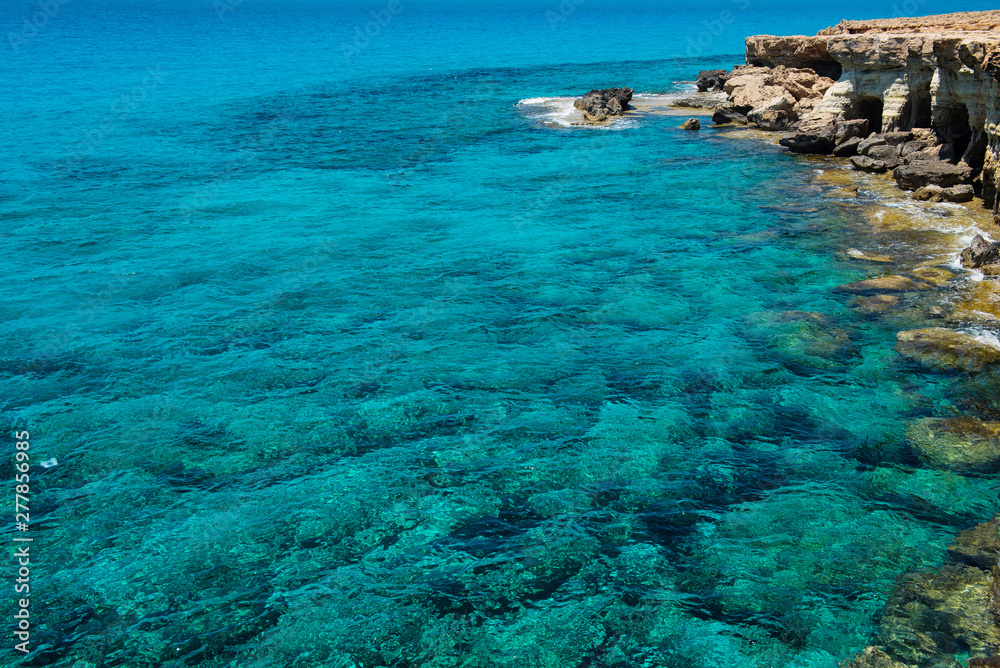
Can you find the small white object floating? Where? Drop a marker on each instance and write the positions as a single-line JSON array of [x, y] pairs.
[[49, 463]]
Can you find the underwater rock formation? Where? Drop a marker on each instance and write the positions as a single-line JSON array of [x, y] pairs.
[[946, 349]]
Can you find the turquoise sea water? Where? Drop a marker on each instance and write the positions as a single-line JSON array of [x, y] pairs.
[[349, 360]]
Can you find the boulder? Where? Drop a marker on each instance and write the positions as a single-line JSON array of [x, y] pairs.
[[929, 194], [729, 114], [847, 148], [691, 124], [958, 194], [863, 163], [818, 141], [946, 349], [851, 129], [871, 142], [711, 80], [980, 253], [917, 174], [599, 105], [773, 119], [945, 152], [887, 154], [962, 444]]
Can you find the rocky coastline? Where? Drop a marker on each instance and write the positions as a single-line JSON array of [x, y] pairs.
[[914, 102]]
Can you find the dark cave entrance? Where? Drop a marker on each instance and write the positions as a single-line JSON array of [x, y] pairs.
[[916, 111], [871, 108], [952, 127]]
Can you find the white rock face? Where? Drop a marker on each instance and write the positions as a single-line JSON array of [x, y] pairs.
[[902, 75]]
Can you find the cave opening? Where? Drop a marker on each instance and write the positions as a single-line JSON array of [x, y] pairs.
[[952, 127], [871, 108], [916, 112]]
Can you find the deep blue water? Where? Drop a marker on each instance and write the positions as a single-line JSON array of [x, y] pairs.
[[346, 360]]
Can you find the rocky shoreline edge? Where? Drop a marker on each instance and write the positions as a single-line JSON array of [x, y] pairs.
[[917, 100]]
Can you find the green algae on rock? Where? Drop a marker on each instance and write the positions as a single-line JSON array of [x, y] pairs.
[[884, 284]]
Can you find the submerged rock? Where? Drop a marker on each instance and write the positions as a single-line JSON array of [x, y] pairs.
[[978, 546], [876, 304], [874, 657], [962, 444], [946, 349], [862, 255], [599, 105], [938, 614], [883, 284]]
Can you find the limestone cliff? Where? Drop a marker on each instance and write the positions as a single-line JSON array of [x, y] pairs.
[[940, 72]]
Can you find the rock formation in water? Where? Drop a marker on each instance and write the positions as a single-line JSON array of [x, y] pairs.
[[598, 105], [937, 75]]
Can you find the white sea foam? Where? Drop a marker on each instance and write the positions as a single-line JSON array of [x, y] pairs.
[[984, 336], [560, 112]]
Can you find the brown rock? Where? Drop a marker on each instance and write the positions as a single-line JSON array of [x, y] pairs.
[[863, 163], [946, 349], [980, 253], [884, 284], [691, 124], [874, 657], [978, 546], [928, 172], [963, 444]]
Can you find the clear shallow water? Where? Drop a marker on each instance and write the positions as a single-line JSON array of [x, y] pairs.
[[359, 364]]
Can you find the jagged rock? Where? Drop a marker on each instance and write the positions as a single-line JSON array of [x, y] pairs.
[[962, 444], [847, 148], [865, 164], [897, 138], [758, 88], [978, 546], [691, 124], [599, 105], [874, 657], [883, 284], [946, 349], [711, 80], [980, 253], [928, 172], [725, 115]]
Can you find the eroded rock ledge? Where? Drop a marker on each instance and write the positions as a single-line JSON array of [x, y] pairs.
[[936, 77]]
